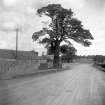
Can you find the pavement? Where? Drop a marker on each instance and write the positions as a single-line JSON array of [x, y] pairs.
[[81, 85]]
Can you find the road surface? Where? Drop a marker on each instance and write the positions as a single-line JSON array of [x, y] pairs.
[[82, 85]]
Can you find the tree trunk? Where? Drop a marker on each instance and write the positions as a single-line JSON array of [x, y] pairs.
[[56, 61]]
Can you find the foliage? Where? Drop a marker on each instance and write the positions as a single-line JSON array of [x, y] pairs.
[[63, 27], [99, 58], [68, 52]]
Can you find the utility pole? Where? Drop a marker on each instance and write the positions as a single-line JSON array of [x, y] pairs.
[[17, 31]]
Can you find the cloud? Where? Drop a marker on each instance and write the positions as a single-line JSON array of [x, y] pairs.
[[97, 5], [9, 2], [22, 14]]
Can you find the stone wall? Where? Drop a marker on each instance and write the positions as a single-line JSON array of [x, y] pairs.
[[10, 69]]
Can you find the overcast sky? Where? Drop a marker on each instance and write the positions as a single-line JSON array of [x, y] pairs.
[[22, 14]]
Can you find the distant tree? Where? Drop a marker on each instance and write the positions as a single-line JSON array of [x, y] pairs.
[[63, 27], [99, 58], [69, 53]]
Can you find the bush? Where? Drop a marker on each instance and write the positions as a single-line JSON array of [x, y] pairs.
[[99, 58], [103, 65]]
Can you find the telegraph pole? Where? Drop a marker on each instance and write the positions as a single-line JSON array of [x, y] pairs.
[[17, 31]]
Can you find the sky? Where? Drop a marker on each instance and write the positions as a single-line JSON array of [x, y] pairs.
[[22, 14]]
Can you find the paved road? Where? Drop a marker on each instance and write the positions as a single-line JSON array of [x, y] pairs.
[[83, 85]]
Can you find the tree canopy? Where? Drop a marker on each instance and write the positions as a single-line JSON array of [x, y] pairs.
[[63, 27]]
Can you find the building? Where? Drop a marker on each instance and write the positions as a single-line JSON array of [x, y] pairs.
[[11, 54]]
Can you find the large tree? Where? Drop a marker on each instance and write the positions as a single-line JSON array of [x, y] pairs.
[[62, 28]]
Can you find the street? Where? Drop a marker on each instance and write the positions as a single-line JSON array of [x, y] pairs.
[[81, 85]]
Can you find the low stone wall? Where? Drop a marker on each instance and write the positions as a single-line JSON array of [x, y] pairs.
[[10, 69]]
